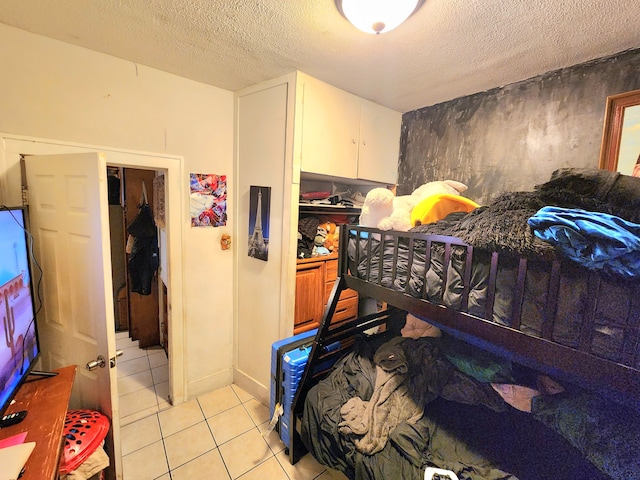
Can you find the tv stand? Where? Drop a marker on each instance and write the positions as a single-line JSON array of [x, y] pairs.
[[47, 400]]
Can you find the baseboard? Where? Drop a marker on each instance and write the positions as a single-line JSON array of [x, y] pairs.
[[209, 383], [252, 386]]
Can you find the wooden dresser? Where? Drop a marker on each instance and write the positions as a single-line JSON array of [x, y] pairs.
[[315, 278], [46, 401]]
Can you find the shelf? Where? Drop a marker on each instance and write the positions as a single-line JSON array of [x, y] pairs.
[[321, 178], [328, 209]]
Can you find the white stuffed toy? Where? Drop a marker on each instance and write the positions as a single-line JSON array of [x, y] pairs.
[[383, 210], [378, 205]]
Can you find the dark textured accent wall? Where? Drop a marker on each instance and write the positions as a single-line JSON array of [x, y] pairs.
[[512, 138]]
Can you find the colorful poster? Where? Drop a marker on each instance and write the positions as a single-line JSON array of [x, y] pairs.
[[208, 200], [259, 205]]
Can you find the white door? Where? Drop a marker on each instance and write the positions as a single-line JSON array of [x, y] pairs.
[[68, 213]]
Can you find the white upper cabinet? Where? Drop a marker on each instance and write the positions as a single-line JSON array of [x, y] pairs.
[[343, 135], [330, 130], [379, 143]]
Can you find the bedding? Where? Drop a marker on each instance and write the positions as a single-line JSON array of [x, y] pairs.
[[597, 241], [412, 264], [464, 426], [606, 433], [417, 439]]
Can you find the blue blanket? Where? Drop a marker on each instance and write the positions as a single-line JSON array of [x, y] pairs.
[[598, 241]]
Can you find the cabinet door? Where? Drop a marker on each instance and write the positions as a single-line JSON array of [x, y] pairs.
[[330, 130], [379, 143], [309, 296]]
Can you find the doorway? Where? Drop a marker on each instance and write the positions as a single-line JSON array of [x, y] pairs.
[[15, 145], [137, 312], [140, 314]]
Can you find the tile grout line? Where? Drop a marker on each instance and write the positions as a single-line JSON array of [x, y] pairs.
[[214, 437], [157, 415], [164, 448], [257, 427]]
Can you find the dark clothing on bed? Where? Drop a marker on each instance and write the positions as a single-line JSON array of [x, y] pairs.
[[421, 441], [475, 442]]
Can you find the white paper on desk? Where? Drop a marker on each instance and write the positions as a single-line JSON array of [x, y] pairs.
[[13, 459]]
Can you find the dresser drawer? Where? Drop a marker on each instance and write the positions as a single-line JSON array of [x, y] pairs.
[[348, 293], [346, 309], [331, 270]]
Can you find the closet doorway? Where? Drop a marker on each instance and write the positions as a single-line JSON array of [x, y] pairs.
[[139, 288], [138, 314]]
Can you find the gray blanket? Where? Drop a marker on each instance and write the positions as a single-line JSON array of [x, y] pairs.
[[410, 373], [370, 422], [502, 225]]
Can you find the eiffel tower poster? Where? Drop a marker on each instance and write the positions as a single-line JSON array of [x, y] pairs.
[[259, 203]]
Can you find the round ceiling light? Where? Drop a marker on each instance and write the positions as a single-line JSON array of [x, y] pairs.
[[377, 16]]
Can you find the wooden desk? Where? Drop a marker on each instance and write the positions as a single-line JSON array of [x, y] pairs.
[[46, 400]]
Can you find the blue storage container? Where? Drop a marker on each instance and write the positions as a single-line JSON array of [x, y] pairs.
[[288, 361], [293, 365]]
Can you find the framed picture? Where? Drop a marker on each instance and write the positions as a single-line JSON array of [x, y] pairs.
[[620, 151], [208, 200], [259, 208]]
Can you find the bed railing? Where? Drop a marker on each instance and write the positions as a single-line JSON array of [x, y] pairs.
[[540, 351]]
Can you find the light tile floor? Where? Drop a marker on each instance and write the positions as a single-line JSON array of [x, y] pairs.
[[219, 435]]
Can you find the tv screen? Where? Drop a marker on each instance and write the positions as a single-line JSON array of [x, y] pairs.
[[19, 348]]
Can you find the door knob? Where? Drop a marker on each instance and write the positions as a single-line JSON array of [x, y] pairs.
[[98, 362], [112, 360]]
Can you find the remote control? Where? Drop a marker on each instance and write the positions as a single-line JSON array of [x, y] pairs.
[[12, 418]]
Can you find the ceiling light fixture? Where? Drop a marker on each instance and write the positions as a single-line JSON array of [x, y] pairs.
[[377, 16]]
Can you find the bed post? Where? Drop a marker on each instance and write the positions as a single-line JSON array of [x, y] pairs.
[[297, 448], [343, 243]]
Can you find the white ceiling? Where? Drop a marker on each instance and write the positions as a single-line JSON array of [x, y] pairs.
[[447, 49]]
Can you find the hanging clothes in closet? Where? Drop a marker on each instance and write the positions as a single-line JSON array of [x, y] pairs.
[[142, 246]]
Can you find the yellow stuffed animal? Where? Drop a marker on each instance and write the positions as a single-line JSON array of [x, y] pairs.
[[436, 207], [331, 240]]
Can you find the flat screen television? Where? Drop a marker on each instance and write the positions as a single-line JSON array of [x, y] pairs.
[[19, 346]]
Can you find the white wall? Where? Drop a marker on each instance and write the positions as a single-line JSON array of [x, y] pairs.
[[52, 90], [265, 291]]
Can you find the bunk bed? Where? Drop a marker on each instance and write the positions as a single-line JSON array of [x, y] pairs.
[[510, 294]]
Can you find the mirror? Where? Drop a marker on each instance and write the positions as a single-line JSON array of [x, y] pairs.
[[620, 150]]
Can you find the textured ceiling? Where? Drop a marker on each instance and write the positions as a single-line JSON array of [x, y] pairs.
[[447, 49]]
